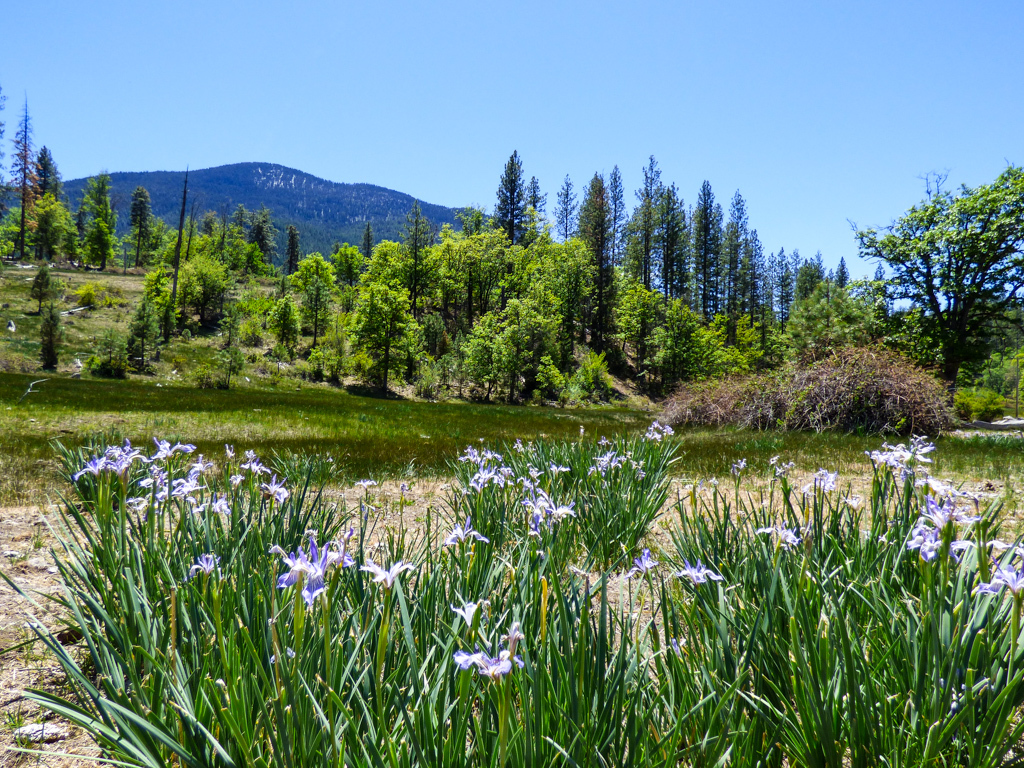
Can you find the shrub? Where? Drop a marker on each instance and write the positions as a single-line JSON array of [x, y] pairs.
[[591, 380], [978, 404], [427, 382], [252, 332], [202, 377], [855, 389], [111, 357]]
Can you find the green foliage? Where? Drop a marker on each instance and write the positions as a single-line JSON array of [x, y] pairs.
[[232, 362], [685, 349], [829, 318], [44, 286], [111, 357], [284, 322], [978, 404], [100, 227], [51, 337], [313, 267], [381, 326], [143, 333], [591, 380], [316, 306], [54, 226], [203, 284], [348, 263]]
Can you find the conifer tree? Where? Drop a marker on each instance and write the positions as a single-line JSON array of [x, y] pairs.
[[784, 286], [735, 236], [842, 273], [142, 333], [99, 229], [141, 219], [316, 306], [3, 130], [417, 237], [642, 250], [616, 199], [51, 336], [23, 172], [367, 245], [566, 210], [706, 233], [534, 198], [48, 180], [674, 240], [595, 231], [263, 233], [510, 211], [42, 286], [292, 250]]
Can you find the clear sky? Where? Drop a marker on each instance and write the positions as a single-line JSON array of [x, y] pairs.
[[818, 112]]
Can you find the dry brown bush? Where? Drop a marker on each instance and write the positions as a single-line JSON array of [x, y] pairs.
[[853, 390]]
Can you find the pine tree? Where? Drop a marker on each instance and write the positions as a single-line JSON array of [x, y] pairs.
[[3, 130], [142, 333], [51, 336], [102, 221], [616, 199], [263, 233], [735, 236], [42, 286], [842, 273], [23, 171], [48, 180], [675, 246], [809, 274], [367, 246], [642, 250], [417, 239], [141, 220], [510, 211], [566, 210], [706, 234], [784, 286], [316, 306], [595, 231], [292, 250], [534, 198]]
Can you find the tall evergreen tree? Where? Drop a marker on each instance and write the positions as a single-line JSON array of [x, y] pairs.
[[617, 201], [141, 220], [735, 236], [48, 180], [172, 307], [808, 276], [263, 233], [292, 250], [842, 273], [706, 234], [51, 336], [3, 130], [784, 286], [672, 235], [23, 172], [510, 211], [366, 248], [534, 198], [566, 210], [642, 253], [417, 237], [100, 239], [595, 231]]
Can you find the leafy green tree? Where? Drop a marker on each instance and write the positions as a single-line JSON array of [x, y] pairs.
[[284, 322], [313, 267], [51, 336], [54, 227], [292, 250], [102, 222], [316, 307], [111, 357], [141, 220], [348, 264], [380, 325], [826, 320], [23, 171], [157, 290], [636, 318], [204, 284], [232, 362], [510, 211], [960, 257], [567, 272], [566, 211], [44, 286], [684, 348], [143, 332]]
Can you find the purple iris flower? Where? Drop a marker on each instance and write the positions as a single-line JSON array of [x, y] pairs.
[[204, 564], [1004, 577], [313, 563], [462, 532], [643, 564], [698, 574], [387, 578], [274, 490]]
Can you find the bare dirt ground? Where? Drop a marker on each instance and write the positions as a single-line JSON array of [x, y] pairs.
[[25, 542]]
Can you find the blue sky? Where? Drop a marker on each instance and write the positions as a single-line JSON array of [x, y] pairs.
[[818, 112]]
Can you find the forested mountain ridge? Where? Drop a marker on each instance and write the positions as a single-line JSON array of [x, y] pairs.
[[324, 211]]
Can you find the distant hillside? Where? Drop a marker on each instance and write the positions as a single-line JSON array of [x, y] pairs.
[[324, 211]]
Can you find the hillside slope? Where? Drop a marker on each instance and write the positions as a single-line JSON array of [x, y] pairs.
[[324, 211]]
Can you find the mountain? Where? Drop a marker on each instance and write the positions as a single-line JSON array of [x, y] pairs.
[[324, 211]]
